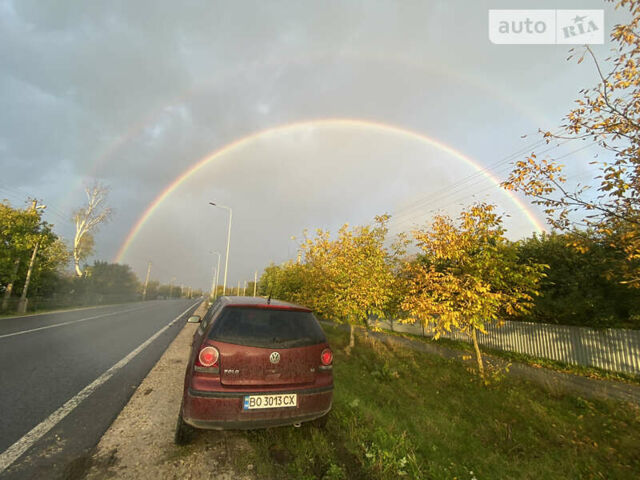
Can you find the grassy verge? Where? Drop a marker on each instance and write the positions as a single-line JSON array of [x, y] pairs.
[[591, 372], [405, 414]]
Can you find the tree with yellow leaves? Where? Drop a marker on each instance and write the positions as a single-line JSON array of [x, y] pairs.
[[284, 282], [348, 279], [608, 115], [469, 275]]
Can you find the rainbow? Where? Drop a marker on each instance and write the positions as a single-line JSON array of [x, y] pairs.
[[324, 122]]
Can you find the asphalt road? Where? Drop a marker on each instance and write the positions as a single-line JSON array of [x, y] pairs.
[[65, 376]]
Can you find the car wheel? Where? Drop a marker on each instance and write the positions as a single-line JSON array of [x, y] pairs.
[[184, 432]]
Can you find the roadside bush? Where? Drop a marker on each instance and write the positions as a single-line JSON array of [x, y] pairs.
[[582, 286]]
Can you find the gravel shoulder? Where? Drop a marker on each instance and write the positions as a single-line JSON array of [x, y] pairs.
[[139, 443]]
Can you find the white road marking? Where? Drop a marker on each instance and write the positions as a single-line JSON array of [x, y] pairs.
[[58, 312], [70, 322], [12, 453]]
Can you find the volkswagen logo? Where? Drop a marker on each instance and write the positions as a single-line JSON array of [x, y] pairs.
[[274, 357]]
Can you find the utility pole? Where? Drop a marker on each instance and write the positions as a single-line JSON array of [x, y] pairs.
[[213, 283], [9, 289], [238, 289], [22, 304], [218, 279], [146, 282], [255, 283], [226, 260], [173, 279], [244, 290]]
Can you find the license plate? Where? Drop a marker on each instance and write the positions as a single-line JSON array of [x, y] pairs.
[[280, 400]]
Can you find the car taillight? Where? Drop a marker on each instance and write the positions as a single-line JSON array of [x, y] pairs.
[[326, 357], [208, 357]]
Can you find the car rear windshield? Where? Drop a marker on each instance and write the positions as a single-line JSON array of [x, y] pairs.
[[267, 328]]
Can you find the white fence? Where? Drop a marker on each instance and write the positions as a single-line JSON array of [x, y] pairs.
[[611, 349]]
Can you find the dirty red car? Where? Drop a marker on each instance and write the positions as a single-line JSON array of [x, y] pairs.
[[255, 363]]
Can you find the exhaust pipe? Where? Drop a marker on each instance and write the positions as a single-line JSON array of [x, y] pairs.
[[297, 425]]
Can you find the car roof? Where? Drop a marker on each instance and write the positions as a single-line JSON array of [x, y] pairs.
[[260, 302]]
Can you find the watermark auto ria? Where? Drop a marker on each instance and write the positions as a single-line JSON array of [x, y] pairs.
[[546, 26]]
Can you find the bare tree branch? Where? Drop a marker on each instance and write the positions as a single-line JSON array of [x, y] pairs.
[[87, 220]]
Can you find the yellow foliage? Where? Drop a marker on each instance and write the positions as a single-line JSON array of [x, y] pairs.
[[348, 279], [469, 275], [608, 115]]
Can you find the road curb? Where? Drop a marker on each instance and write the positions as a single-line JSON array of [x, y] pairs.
[[139, 443]]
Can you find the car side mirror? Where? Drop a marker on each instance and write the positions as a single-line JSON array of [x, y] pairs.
[[194, 319]]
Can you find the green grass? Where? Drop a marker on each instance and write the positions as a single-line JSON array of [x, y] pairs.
[[399, 413], [591, 372]]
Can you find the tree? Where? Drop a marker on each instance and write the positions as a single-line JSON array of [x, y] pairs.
[[397, 289], [348, 279], [609, 116], [49, 276], [153, 289], [165, 291], [284, 281], [17, 239], [87, 220], [112, 279], [23, 235], [469, 275], [582, 287], [251, 286]]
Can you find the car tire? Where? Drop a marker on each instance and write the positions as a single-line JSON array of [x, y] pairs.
[[184, 432]]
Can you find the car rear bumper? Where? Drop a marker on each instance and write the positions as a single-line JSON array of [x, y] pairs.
[[220, 410]]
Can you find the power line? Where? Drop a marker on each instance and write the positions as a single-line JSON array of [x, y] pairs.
[[411, 217], [463, 183], [21, 195], [488, 169]]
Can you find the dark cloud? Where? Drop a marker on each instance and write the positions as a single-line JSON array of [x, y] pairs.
[[134, 93]]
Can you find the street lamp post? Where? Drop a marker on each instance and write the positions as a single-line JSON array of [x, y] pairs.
[[218, 278], [226, 259], [255, 283], [214, 281], [214, 272]]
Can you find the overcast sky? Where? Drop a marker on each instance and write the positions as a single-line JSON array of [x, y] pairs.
[[134, 93]]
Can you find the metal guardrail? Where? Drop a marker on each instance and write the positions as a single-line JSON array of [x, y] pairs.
[[610, 349]]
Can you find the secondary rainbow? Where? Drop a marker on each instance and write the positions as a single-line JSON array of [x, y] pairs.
[[324, 122]]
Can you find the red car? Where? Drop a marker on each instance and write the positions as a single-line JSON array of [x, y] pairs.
[[255, 363]]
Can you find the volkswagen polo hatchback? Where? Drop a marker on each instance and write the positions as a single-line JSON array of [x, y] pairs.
[[256, 363]]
